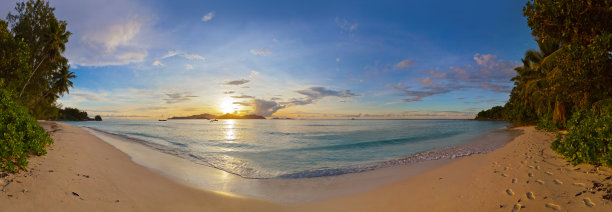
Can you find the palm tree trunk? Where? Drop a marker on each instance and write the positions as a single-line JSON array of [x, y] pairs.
[[30, 78]]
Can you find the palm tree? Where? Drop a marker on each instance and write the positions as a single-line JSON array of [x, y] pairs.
[[53, 46], [531, 85], [62, 80]]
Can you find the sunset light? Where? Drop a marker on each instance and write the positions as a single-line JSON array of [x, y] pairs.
[[228, 106]]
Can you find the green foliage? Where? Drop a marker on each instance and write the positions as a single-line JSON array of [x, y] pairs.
[[495, 113], [20, 134], [31, 60], [72, 114], [589, 139], [14, 59], [546, 123]]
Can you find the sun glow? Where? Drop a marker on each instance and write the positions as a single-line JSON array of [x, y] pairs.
[[228, 106]]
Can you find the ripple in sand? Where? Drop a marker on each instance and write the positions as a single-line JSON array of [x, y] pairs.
[[504, 175], [540, 182], [588, 202], [553, 206], [548, 173], [530, 174], [517, 207], [579, 184], [514, 180], [530, 195], [510, 192], [558, 182]]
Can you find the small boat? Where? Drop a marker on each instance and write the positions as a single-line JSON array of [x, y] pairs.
[[162, 120], [213, 120]]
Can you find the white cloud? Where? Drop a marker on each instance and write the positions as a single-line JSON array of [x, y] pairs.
[[185, 55], [169, 54], [264, 51], [194, 57], [253, 74], [338, 59], [189, 67], [209, 16], [157, 63], [113, 36], [110, 32]]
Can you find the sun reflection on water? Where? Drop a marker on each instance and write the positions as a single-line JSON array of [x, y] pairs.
[[229, 130]]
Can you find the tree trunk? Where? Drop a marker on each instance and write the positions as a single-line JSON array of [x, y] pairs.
[[30, 78]]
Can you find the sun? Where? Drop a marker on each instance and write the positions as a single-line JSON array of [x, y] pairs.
[[228, 106]]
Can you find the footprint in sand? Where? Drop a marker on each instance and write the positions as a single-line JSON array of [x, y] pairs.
[[517, 207], [514, 180], [553, 206], [558, 182], [504, 175], [531, 167], [506, 168], [510, 192], [579, 184], [540, 182], [588, 202], [530, 174], [548, 173], [538, 167], [530, 195]]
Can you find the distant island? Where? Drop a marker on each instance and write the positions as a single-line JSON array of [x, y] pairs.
[[224, 116]]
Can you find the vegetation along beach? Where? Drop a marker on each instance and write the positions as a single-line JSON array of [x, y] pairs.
[[130, 105]]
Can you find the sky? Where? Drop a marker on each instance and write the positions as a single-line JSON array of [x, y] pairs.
[[299, 59]]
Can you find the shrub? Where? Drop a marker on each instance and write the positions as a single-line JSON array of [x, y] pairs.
[[547, 124], [20, 134], [589, 139]]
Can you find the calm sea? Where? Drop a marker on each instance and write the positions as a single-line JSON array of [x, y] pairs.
[[296, 148]]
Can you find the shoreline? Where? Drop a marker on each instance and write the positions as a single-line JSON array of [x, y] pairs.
[[473, 143], [278, 190], [83, 172]]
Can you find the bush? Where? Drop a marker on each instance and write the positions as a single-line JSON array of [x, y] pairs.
[[589, 139], [495, 113], [20, 134], [547, 124]]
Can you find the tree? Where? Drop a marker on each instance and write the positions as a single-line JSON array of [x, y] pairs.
[[47, 76], [530, 98], [14, 59]]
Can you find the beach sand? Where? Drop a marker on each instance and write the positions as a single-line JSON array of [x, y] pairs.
[[83, 173]]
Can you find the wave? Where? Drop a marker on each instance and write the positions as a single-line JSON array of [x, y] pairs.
[[376, 143], [250, 170]]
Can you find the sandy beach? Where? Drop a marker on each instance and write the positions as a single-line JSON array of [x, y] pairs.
[[82, 172]]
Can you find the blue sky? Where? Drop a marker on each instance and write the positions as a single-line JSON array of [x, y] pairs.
[[307, 59]]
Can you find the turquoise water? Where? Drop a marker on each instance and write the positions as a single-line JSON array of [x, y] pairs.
[[295, 148]]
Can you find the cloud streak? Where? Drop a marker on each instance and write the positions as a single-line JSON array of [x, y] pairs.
[[488, 73], [404, 64], [176, 97], [237, 82], [311, 95]]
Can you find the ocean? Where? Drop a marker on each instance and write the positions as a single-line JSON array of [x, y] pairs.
[[261, 149]]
